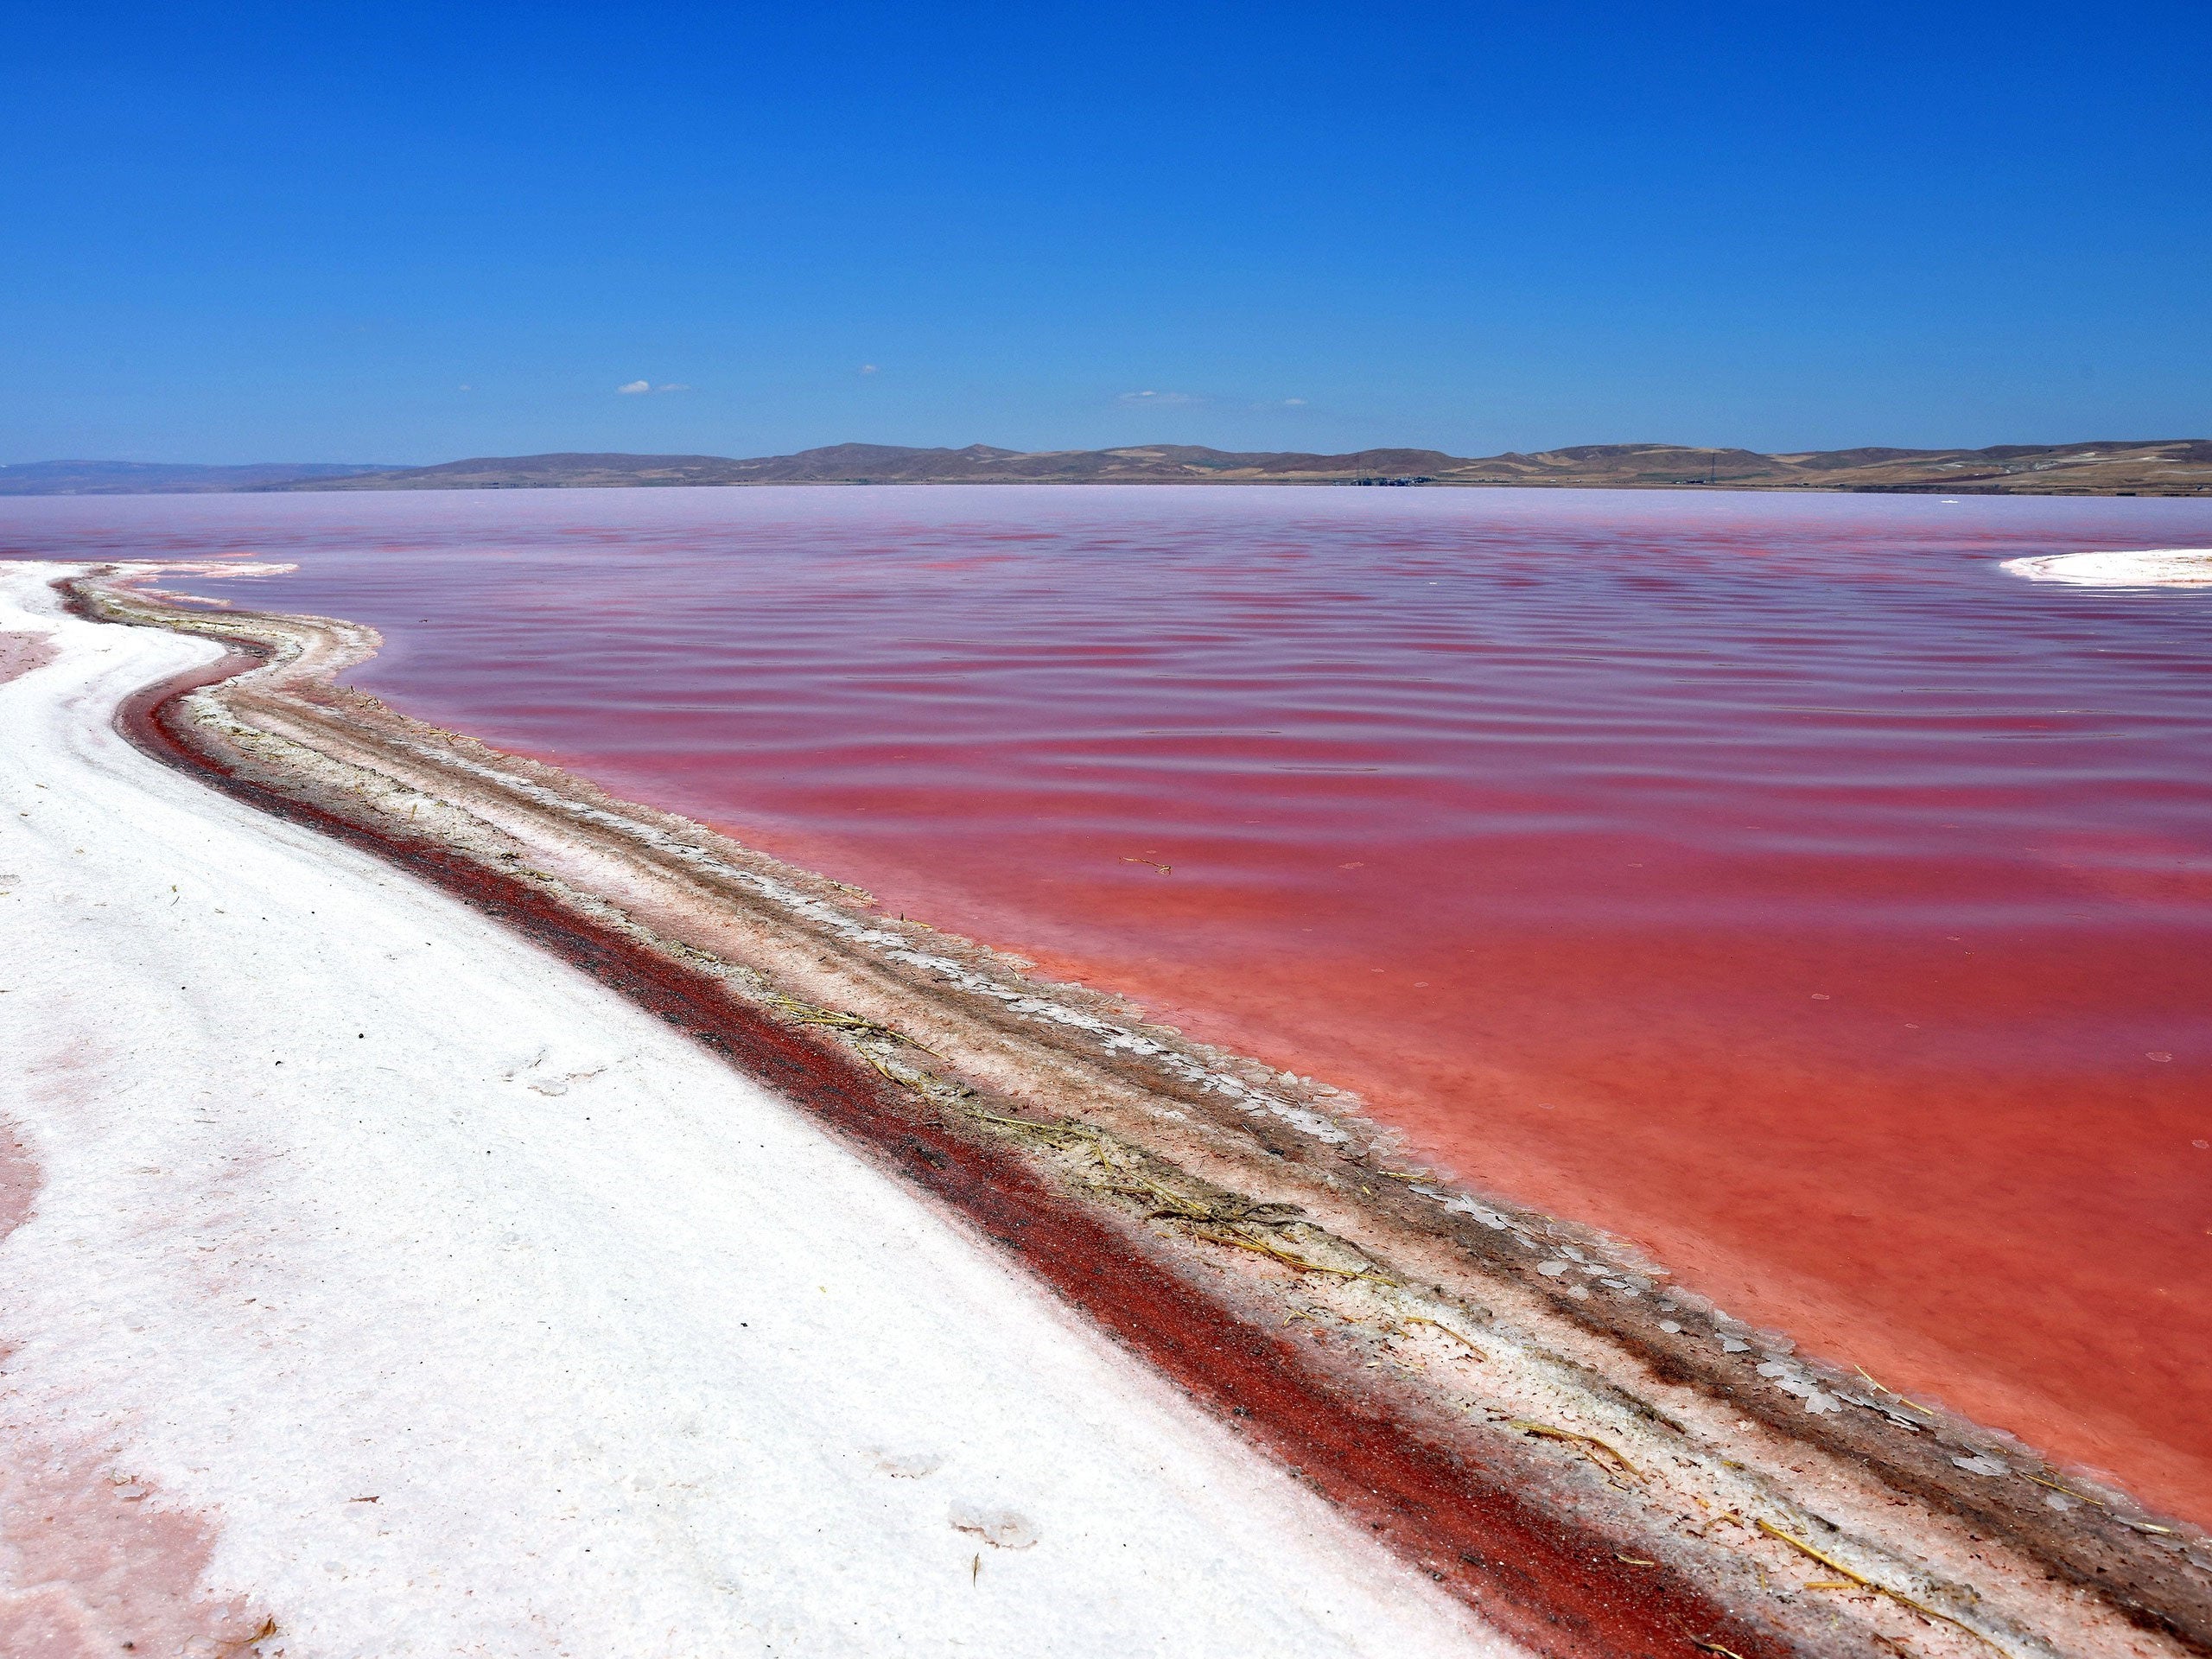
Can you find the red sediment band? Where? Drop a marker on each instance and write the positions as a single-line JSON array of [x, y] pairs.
[[1556, 1591]]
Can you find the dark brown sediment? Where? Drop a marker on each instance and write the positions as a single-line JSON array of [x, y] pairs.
[[1501, 1514]]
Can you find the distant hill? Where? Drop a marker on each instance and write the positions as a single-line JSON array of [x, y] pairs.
[[162, 478], [875, 463], [2178, 467], [2168, 467]]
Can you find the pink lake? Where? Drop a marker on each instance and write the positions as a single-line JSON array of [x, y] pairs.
[[1772, 880]]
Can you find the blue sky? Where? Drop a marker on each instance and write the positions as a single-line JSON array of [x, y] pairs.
[[399, 233]]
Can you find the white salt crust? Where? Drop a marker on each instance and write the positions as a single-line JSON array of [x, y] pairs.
[[350, 1193], [2169, 567]]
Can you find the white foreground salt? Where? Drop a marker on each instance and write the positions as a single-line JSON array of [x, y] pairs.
[[344, 1193], [2168, 567]]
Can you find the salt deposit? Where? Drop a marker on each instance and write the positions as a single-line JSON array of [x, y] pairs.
[[2171, 566]]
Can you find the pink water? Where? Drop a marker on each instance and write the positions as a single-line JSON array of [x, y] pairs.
[[1773, 881]]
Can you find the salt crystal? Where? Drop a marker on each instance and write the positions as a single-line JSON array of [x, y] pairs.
[[1983, 1463], [1670, 1327], [1551, 1270], [909, 1465], [1004, 1528]]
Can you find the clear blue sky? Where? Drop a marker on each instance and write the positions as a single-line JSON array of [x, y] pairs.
[[400, 233]]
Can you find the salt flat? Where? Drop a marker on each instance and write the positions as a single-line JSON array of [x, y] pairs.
[[381, 1277], [2168, 567]]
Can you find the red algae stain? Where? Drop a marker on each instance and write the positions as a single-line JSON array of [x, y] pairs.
[[21, 652], [19, 1181], [92, 1561], [1772, 880]]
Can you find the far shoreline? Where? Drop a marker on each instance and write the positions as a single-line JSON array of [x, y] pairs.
[[2171, 468]]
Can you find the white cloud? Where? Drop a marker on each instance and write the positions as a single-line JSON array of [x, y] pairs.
[[1294, 403], [1160, 399], [869, 368], [635, 387]]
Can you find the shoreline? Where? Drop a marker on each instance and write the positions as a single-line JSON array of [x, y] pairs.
[[2173, 467], [379, 1283], [1113, 1141]]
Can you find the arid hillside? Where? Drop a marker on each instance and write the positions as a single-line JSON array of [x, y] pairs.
[[2167, 466], [2173, 466], [2179, 466]]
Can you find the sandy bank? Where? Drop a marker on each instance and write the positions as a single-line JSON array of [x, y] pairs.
[[383, 1277]]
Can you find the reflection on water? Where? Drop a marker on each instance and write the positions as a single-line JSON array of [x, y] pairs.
[[1772, 880]]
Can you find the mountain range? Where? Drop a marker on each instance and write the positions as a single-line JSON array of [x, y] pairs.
[[2170, 466]]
